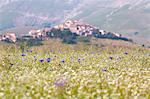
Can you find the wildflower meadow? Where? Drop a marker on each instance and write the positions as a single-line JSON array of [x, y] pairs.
[[80, 71]]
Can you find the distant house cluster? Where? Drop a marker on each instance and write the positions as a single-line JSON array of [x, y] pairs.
[[9, 37], [77, 27], [80, 28], [36, 33]]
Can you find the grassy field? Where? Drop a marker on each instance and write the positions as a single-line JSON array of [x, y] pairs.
[[103, 69]]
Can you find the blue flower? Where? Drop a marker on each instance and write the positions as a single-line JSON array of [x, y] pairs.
[[48, 60], [111, 58], [104, 69], [63, 61], [23, 55], [41, 60], [126, 53], [79, 60], [30, 51]]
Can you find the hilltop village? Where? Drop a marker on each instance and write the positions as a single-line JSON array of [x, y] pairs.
[[75, 28]]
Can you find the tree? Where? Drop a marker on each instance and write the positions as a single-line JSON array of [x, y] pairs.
[[57, 33], [68, 37]]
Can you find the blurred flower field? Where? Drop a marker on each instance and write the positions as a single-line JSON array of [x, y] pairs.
[[59, 71]]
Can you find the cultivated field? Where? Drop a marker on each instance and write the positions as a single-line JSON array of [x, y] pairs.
[[81, 71]]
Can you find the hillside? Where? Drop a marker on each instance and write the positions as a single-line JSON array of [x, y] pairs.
[[33, 13], [128, 17]]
